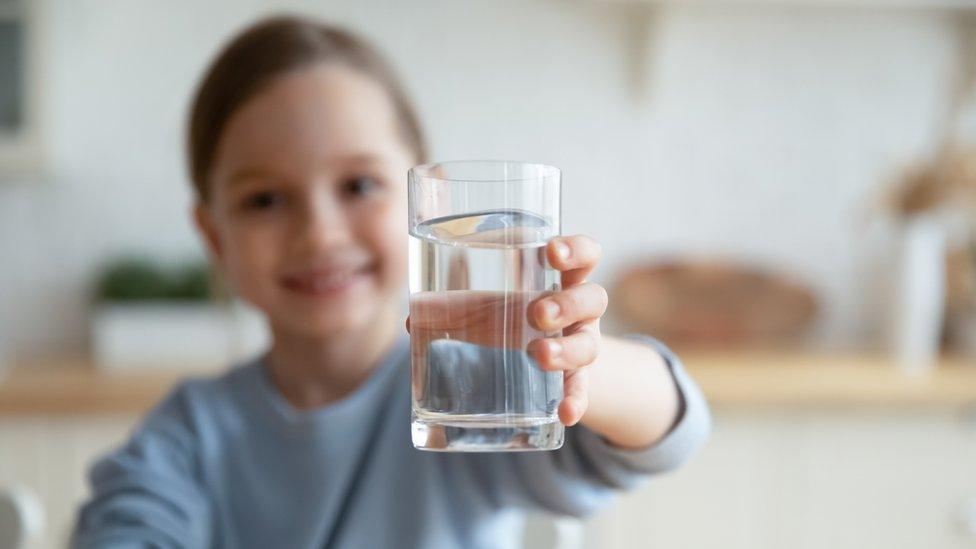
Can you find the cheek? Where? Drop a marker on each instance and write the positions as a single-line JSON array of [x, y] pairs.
[[249, 258], [396, 248], [391, 239]]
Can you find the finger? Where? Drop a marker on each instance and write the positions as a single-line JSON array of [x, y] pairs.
[[566, 353], [408, 324], [576, 256], [575, 397], [567, 306]]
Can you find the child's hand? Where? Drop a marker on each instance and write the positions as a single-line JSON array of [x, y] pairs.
[[576, 309]]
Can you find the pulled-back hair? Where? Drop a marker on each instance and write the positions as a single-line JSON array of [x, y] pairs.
[[265, 50]]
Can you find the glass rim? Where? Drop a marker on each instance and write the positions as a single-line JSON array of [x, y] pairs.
[[426, 171]]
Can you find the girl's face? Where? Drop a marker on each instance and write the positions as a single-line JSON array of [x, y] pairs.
[[308, 202]]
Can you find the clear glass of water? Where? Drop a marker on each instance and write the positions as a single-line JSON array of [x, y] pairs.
[[478, 231]]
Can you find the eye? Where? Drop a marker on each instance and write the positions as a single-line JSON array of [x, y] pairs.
[[263, 201], [361, 185]]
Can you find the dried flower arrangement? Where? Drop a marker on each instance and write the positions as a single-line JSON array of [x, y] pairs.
[[946, 183]]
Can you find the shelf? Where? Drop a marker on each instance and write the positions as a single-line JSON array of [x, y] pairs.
[[739, 381]]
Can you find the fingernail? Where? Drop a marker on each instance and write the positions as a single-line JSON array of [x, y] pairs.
[[554, 348], [551, 309], [562, 250]]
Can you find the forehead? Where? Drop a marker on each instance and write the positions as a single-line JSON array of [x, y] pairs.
[[310, 116]]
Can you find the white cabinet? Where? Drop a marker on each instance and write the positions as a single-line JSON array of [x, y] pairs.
[[809, 479], [776, 478], [50, 456]]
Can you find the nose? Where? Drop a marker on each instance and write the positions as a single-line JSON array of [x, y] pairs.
[[322, 224]]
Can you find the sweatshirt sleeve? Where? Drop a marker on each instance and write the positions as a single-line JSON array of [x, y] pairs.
[[145, 494], [588, 470]]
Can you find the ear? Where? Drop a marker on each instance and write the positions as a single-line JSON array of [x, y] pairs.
[[203, 219]]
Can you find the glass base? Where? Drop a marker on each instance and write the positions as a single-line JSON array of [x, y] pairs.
[[485, 433]]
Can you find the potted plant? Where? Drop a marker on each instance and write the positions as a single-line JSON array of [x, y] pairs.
[[151, 315]]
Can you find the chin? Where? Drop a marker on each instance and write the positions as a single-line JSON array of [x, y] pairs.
[[325, 323]]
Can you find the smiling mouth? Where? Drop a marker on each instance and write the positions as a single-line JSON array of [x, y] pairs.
[[326, 283]]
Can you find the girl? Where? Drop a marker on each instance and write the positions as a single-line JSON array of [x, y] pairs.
[[299, 142]]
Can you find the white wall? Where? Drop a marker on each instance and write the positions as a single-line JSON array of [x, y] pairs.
[[754, 132]]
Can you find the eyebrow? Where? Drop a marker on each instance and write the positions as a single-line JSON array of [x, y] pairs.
[[246, 174], [357, 159]]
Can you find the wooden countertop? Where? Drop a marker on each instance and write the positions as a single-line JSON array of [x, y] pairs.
[[76, 386], [829, 381], [68, 387]]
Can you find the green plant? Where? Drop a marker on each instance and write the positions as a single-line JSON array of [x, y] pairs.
[[134, 279]]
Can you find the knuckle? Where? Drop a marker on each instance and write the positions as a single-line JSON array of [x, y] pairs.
[[592, 349], [573, 303], [601, 295], [576, 242], [597, 249]]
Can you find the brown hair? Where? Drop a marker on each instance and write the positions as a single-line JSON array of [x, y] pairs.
[[269, 48]]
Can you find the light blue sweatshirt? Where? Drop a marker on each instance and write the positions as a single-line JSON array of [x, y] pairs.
[[228, 462]]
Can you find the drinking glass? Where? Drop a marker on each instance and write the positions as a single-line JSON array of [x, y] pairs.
[[478, 231]]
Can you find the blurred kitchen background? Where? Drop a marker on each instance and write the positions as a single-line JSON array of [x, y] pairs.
[[784, 190]]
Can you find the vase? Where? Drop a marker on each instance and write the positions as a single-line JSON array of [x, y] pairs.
[[918, 294]]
